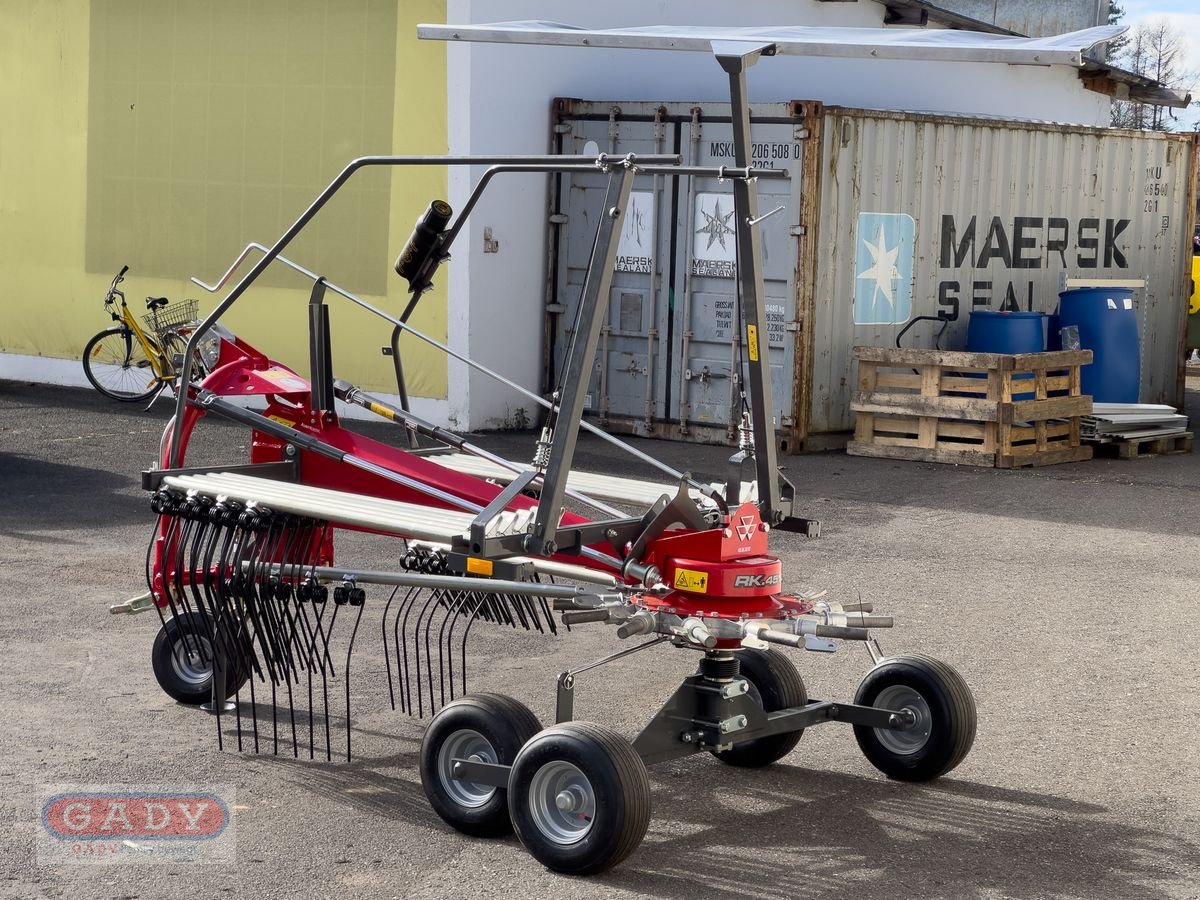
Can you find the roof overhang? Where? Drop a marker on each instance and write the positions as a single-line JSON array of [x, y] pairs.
[[945, 45], [1122, 85], [962, 40]]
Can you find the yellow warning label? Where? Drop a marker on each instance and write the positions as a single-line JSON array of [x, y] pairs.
[[381, 411], [282, 421], [752, 342], [691, 580], [479, 566]]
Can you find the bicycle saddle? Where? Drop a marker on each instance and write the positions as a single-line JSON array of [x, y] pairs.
[[155, 302]]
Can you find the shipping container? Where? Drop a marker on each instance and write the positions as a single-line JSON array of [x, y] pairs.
[[886, 217]]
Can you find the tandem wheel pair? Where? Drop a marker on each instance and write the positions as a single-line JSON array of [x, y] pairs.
[[578, 793]]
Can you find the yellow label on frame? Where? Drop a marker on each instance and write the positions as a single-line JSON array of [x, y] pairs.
[[479, 566], [752, 342], [691, 580]]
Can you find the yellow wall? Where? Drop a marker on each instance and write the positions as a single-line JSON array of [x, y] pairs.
[[219, 187]]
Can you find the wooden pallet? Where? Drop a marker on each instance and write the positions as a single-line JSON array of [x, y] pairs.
[[1132, 448], [977, 409]]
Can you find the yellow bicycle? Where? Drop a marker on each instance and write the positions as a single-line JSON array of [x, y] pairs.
[[129, 362]]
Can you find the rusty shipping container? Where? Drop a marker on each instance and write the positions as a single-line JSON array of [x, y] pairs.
[[886, 217]]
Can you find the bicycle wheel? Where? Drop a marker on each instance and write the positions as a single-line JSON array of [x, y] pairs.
[[175, 344], [116, 365]]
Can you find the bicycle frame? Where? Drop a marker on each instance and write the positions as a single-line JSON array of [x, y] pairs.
[[155, 352]]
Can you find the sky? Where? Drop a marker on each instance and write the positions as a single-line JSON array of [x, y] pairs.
[[1183, 14]]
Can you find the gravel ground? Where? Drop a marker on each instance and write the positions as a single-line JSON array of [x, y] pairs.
[[1067, 597]]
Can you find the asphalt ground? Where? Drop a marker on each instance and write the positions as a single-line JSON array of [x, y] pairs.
[[1068, 597]]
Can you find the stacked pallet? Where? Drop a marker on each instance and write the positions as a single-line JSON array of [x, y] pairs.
[[1129, 430], [978, 409]]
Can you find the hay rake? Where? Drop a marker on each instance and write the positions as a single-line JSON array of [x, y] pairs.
[[259, 624]]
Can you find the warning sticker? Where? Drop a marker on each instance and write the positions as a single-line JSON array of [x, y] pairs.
[[752, 342], [284, 379], [691, 580]]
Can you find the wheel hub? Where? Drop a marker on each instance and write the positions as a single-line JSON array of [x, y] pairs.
[[570, 800], [474, 747], [191, 659], [562, 802], [914, 713]]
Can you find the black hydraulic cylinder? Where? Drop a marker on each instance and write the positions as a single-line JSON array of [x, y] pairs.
[[423, 250]]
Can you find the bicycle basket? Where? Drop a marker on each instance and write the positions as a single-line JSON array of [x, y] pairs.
[[173, 315]]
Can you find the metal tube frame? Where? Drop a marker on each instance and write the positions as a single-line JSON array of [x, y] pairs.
[[453, 354], [535, 163], [735, 59], [544, 539]]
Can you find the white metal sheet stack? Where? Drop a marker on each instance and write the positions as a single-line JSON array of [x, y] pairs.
[[1131, 421]]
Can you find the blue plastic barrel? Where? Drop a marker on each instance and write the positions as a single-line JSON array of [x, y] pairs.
[[1107, 324], [997, 331]]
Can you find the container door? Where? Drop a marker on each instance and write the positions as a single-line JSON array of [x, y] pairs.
[[627, 377], [707, 336], [667, 361]]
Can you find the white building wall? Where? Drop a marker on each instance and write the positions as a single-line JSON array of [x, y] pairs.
[[499, 102]]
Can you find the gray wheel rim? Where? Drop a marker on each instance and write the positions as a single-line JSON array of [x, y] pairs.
[[191, 659], [471, 745], [905, 741], [562, 802]]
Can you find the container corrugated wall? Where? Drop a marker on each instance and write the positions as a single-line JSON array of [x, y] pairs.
[[931, 215]]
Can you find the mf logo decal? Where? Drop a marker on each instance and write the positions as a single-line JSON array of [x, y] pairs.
[[883, 269], [746, 528]]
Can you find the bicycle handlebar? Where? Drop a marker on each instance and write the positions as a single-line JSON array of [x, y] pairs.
[[112, 288]]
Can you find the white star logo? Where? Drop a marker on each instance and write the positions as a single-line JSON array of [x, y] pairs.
[[883, 270], [716, 226], [747, 527]]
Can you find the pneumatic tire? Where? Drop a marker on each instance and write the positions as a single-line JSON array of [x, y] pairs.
[[488, 728], [943, 710], [182, 659], [116, 364], [579, 798]]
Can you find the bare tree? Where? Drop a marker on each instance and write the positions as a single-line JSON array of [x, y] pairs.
[[1114, 48], [1157, 50]]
